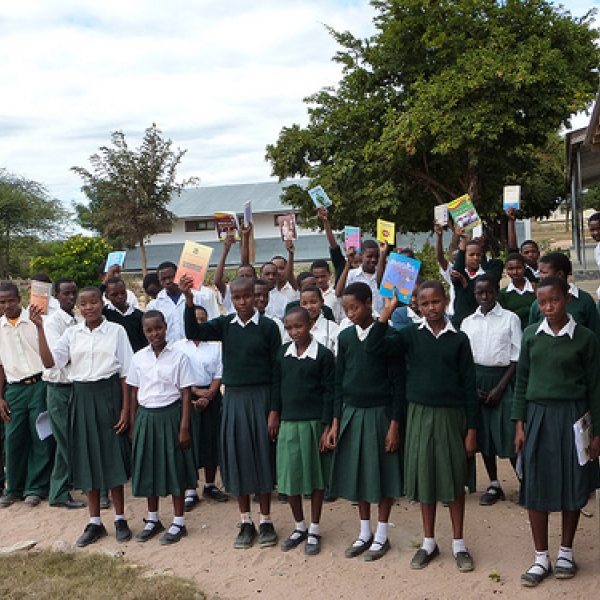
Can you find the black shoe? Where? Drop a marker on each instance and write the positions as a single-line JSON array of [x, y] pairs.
[[245, 538], [267, 535], [212, 492], [294, 542], [354, 551], [122, 531], [173, 538], [422, 558], [190, 502], [9, 499], [69, 503], [282, 498], [104, 502], [147, 534], [491, 496], [92, 533]]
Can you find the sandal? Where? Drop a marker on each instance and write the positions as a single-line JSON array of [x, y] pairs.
[[529, 579], [565, 572]]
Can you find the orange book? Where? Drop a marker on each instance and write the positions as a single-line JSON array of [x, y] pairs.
[[39, 294], [194, 262]]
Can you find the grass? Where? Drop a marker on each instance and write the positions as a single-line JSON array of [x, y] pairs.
[[91, 576]]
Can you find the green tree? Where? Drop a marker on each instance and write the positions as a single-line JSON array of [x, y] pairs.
[[448, 97], [27, 214], [129, 190]]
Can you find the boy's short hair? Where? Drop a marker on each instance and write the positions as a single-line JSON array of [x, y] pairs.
[[41, 277], [320, 263], [298, 310], [594, 217], [9, 286], [489, 278], [241, 283], [247, 266], [361, 291], [304, 275], [149, 314], [474, 243], [516, 256], [552, 280], [114, 281], [314, 289], [370, 245], [262, 268], [60, 281], [88, 289], [279, 257], [558, 261], [530, 243], [432, 284], [150, 279], [167, 264], [259, 282]]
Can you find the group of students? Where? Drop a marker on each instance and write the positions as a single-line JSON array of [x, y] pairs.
[[365, 398]]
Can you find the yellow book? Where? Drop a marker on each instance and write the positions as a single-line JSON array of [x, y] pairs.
[[194, 262], [39, 294], [386, 232]]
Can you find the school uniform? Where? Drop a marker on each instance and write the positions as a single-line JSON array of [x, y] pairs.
[[225, 301], [131, 298], [442, 405], [249, 357], [289, 292], [558, 380], [326, 332], [304, 387], [358, 275], [518, 301], [276, 305], [404, 316], [131, 320], [333, 303], [28, 459], [368, 396], [495, 340], [326, 311], [160, 467], [99, 359]]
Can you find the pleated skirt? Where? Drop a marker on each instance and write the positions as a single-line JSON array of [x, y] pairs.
[[205, 427], [301, 468], [553, 480], [247, 454], [160, 466], [436, 466], [99, 458], [362, 470]]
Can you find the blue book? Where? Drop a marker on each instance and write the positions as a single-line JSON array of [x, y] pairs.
[[319, 197], [400, 276], [115, 258]]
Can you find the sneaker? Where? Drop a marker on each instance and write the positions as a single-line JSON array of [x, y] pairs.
[[8, 500], [92, 533], [491, 496], [267, 536], [147, 534], [190, 502], [32, 500], [214, 493], [245, 538], [104, 502], [122, 531], [173, 538]]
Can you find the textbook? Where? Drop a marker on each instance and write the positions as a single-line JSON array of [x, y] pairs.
[[194, 262], [352, 238], [225, 222], [386, 232], [115, 258], [287, 227], [440, 215], [39, 294], [248, 218], [463, 213], [319, 197], [583, 437], [512, 197], [400, 277]]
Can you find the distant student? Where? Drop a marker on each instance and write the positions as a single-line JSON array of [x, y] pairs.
[[519, 294], [151, 285], [322, 330], [110, 273], [303, 401], [22, 400], [277, 301], [594, 227], [119, 311], [322, 274], [261, 302], [367, 421], [286, 280], [250, 346], [495, 337], [160, 377], [529, 249], [558, 381], [306, 279], [441, 428]]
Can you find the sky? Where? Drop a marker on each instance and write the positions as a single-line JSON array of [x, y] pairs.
[[219, 78]]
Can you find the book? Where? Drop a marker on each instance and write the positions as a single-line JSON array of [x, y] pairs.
[[287, 227], [386, 232], [512, 197], [440, 215], [225, 222], [319, 197], [115, 258], [43, 426], [194, 262], [39, 294], [583, 437], [463, 213], [248, 218], [400, 277], [352, 238]]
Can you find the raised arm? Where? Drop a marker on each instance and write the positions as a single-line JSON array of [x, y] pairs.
[[219, 271], [289, 267], [439, 247], [383, 254], [341, 283], [513, 245], [245, 249]]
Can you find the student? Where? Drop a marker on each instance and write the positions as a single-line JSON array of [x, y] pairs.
[[302, 403], [407, 315], [335, 252], [58, 397], [261, 302], [323, 330], [171, 303], [250, 346], [112, 272], [495, 337], [558, 380], [322, 274], [286, 280], [365, 431], [119, 311], [160, 377], [519, 294], [446, 266], [22, 400], [151, 285], [594, 227], [277, 301], [99, 354], [206, 363], [305, 279], [442, 416], [529, 249]]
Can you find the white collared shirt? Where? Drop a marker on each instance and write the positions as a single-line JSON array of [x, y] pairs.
[[495, 338], [289, 292], [19, 348], [282, 331], [358, 274], [363, 333], [568, 329], [129, 311], [573, 290], [527, 289], [253, 319], [413, 316], [334, 303], [161, 378], [311, 352], [131, 300], [205, 359], [448, 328], [94, 354], [225, 301], [54, 326], [53, 306], [276, 305], [326, 332]]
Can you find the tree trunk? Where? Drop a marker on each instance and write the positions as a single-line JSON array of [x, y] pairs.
[[143, 257]]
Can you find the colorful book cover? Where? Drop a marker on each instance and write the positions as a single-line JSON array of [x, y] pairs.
[[386, 232], [512, 197], [287, 227], [440, 215], [248, 218], [115, 258], [39, 294], [463, 213], [194, 262], [399, 277], [319, 197], [352, 238], [226, 222]]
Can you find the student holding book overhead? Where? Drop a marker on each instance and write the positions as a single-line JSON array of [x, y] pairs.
[[529, 249]]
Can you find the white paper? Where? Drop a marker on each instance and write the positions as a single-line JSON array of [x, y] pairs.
[[42, 425], [583, 437]]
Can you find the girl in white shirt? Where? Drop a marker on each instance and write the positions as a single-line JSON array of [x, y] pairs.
[[323, 330]]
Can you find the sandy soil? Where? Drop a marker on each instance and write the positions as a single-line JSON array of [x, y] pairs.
[[498, 537]]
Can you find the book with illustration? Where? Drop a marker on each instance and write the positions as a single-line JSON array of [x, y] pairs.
[[287, 227], [319, 197], [386, 232], [39, 294], [352, 238], [115, 258], [463, 213], [194, 262], [440, 215], [512, 197], [226, 222], [400, 277]]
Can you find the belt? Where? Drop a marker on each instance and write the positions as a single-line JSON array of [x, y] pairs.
[[29, 380], [59, 385]]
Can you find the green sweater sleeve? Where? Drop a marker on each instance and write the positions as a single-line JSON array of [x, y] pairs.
[[210, 331]]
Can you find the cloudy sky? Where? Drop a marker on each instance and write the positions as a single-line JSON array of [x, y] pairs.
[[219, 77]]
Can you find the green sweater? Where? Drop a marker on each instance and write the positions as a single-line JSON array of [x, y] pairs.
[[364, 380], [557, 369], [520, 304], [132, 324], [249, 353], [304, 387], [441, 370]]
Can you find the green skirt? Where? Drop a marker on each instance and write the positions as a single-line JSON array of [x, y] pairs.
[[100, 459], [301, 468], [496, 433], [205, 433], [553, 480], [362, 469], [160, 466], [246, 451], [436, 465]]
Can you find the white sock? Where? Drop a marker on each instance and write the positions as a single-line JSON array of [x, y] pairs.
[[207, 486], [152, 519], [266, 519], [382, 532], [173, 530], [429, 545], [246, 518], [543, 559], [458, 546], [119, 517], [314, 529], [495, 483], [95, 521], [567, 554], [300, 526], [365, 532], [191, 494]]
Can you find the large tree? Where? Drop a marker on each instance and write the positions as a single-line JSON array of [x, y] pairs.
[[129, 190], [448, 97]]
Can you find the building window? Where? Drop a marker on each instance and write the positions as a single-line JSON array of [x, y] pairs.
[[200, 225]]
